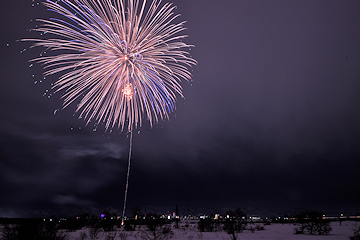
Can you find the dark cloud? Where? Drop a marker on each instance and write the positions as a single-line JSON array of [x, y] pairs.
[[270, 120]]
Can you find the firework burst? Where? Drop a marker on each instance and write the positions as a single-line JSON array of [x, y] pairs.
[[123, 63]]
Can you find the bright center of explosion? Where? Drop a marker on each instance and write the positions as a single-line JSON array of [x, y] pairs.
[[127, 91]]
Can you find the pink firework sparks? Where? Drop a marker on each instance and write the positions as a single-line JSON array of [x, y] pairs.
[[121, 62]]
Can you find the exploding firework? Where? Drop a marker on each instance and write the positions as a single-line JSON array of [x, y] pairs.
[[121, 62]]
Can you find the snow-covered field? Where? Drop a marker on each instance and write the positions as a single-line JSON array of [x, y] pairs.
[[271, 232]]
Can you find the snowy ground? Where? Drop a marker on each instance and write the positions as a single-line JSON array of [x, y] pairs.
[[271, 232]]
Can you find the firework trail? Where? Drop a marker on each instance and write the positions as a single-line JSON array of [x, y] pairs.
[[120, 60]]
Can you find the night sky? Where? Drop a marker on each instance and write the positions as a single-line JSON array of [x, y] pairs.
[[271, 119]]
